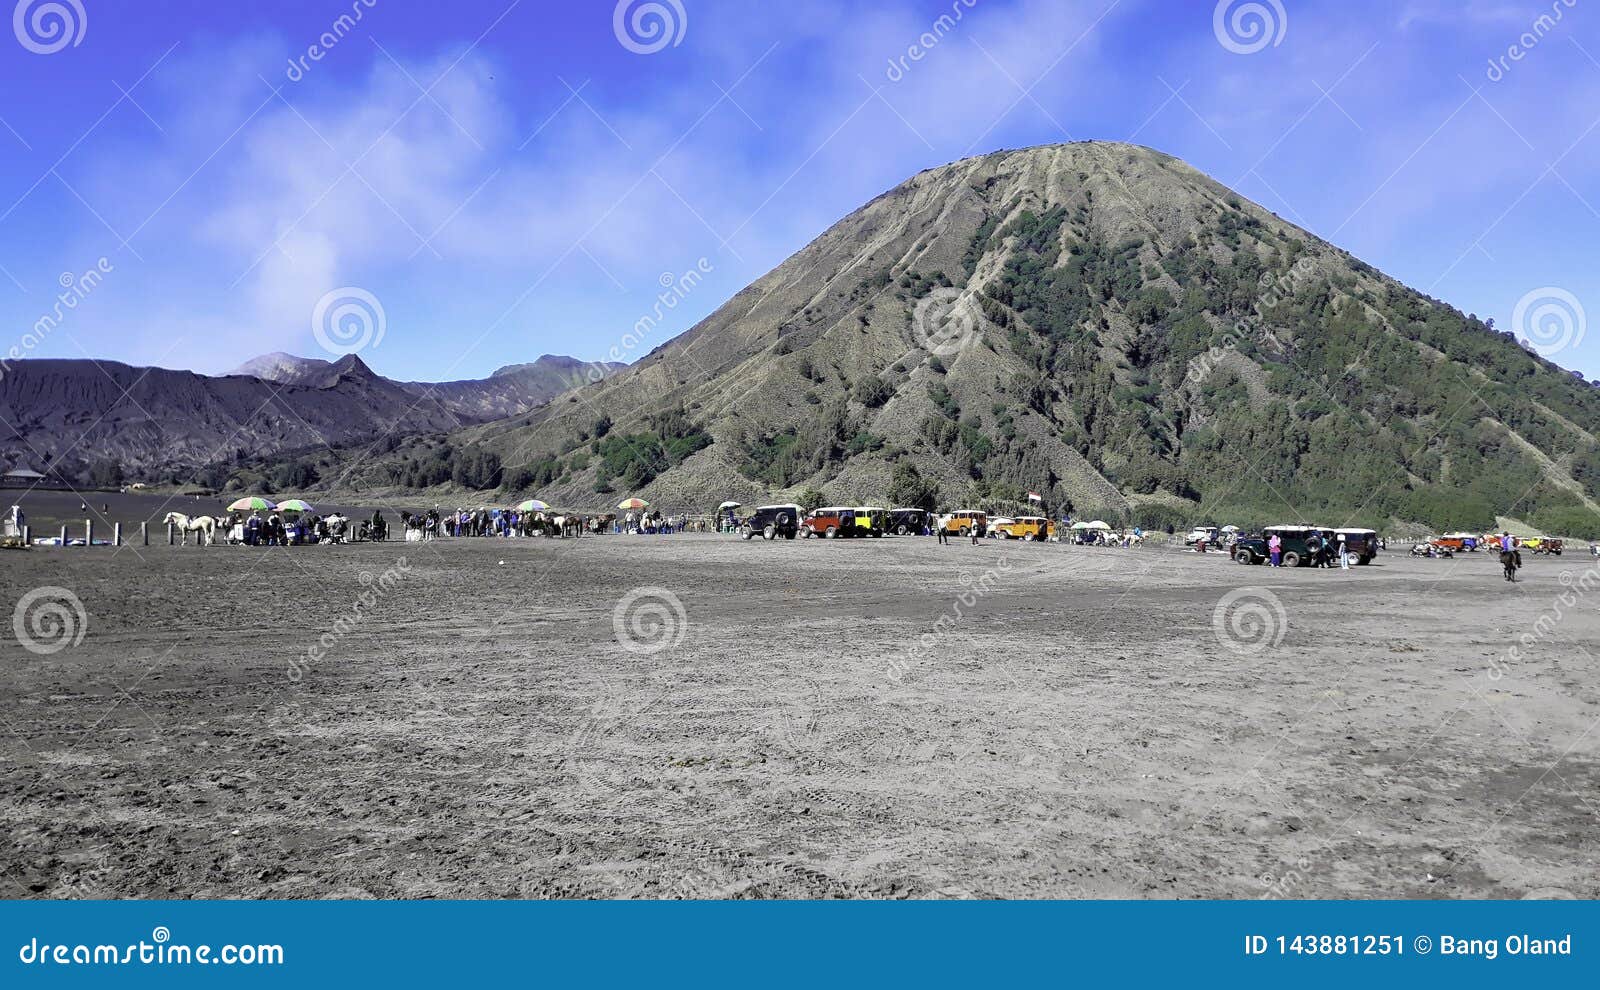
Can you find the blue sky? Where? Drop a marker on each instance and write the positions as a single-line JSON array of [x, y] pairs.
[[506, 179]]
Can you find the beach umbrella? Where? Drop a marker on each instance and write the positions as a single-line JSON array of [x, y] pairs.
[[633, 503], [729, 505], [1080, 525], [1230, 529], [251, 503], [1098, 524], [532, 505], [295, 505]]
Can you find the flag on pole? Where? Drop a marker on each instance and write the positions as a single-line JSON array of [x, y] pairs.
[[1035, 497]]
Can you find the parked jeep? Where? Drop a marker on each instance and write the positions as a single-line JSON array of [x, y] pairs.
[[1253, 549], [1027, 528], [909, 522], [1360, 543], [773, 521]]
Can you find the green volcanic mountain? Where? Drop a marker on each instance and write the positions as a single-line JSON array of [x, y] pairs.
[[1096, 322]]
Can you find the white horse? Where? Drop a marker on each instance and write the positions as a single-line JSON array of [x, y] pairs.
[[204, 527]]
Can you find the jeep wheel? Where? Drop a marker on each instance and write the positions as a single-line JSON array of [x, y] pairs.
[[833, 532], [1243, 557], [770, 533], [746, 533], [902, 530], [964, 531], [1027, 537], [1291, 559]]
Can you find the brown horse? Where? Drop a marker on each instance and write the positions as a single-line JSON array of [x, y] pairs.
[[1510, 560]]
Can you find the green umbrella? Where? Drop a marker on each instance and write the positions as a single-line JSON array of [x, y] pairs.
[[532, 505], [295, 505], [251, 503]]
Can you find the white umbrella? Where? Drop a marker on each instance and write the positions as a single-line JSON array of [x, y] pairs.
[[729, 505], [1230, 529], [1098, 524], [1080, 525]]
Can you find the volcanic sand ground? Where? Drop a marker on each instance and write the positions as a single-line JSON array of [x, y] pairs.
[[1075, 727]]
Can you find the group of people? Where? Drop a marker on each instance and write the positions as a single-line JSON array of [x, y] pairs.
[[652, 522], [277, 529], [1322, 552]]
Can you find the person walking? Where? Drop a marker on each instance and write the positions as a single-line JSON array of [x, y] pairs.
[[1344, 553], [1275, 550]]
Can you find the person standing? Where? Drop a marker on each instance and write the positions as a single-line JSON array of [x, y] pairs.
[[1344, 553], [1275, 550]]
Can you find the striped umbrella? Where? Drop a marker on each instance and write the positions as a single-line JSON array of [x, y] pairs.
[[633, 503], [251, 503], [532, 505], [295, 505]]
